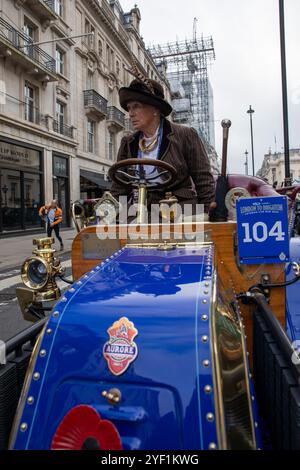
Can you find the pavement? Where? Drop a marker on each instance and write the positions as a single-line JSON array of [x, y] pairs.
[[13, 251]]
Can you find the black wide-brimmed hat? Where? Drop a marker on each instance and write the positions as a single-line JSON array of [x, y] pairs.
[[140, 91]]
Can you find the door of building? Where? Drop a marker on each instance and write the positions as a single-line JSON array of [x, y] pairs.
[[10, 201], [21, 187], [61, 189]]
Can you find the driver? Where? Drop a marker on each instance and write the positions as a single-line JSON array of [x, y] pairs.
[[158, 138]]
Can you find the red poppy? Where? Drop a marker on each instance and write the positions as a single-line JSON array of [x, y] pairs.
[[83, 429]]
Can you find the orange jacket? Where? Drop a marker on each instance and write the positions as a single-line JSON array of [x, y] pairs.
[[57, 216]]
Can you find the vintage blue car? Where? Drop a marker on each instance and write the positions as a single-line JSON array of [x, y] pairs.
[[163, 341]]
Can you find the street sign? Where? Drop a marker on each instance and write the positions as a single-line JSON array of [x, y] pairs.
[[263, 231]]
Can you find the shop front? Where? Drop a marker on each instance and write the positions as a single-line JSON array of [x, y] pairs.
[[92, 185], [21, 186]]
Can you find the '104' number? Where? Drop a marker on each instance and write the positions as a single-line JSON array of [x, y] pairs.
[[260, 232]]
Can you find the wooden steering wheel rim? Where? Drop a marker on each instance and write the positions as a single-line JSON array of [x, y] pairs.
[[112, 172]]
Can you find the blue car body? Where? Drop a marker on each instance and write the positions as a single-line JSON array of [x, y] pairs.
[[168, 298]]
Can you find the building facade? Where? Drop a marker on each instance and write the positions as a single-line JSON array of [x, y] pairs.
[[273, 168], [60, 119]]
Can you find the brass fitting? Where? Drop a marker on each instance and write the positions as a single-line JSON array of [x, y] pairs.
[[38, 272], [113, 396], [168, 207]]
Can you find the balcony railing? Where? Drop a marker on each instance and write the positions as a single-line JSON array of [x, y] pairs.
[[116, 116], [45, 10], [63, 129], [93, 100], [23, 43]]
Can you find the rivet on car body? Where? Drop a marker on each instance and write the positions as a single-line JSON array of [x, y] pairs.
[[212, 446]]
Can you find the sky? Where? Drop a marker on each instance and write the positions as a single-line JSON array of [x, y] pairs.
[[247, 68]]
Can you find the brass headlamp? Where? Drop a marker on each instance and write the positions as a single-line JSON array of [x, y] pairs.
[[83, 214], [38, 272]]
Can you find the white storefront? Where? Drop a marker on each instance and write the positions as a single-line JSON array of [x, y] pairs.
[[60, 99]]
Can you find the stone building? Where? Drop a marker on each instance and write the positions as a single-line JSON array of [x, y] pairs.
[[273, 167], [60, 120]]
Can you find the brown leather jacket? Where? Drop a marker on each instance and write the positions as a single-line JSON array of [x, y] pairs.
[[181, 147]]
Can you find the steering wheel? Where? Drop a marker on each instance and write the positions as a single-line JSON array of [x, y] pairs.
[[137, 175]]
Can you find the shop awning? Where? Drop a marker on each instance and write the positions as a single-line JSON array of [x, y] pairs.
[[95, 178]]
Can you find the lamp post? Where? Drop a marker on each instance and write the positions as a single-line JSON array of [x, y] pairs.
[[288, 179], [250, 112], [246, 163]]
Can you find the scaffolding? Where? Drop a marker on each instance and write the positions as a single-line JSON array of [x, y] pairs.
[[187, 63]]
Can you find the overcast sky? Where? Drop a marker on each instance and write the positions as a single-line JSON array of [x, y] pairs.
[[247, 67]]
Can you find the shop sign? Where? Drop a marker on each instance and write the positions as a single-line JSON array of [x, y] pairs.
[[13, 155]]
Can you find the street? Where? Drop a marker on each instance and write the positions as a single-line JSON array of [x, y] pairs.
[[13, 252]]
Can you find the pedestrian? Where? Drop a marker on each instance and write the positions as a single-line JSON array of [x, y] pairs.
[[52, 215]]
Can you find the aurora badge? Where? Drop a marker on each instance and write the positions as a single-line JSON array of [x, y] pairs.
[[120, 351]]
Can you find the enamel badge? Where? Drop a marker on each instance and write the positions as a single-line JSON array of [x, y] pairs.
[[120, 351]]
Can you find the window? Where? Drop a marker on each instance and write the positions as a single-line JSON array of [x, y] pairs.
[[90, 80], [109, 57], [30, 110], [31, 32], [89, 40], [60, 61], [273, 175], [127, 18], [91, 136], [60, 116], [111, 145], [27, 193], [58, 7], [13, 192], [92, 37], [100, 48], [86, 27]]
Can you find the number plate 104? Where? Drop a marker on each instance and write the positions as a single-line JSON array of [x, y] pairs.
[[263, 231]]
